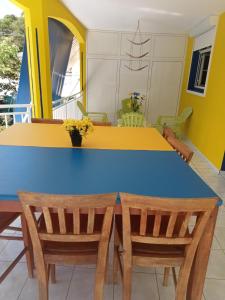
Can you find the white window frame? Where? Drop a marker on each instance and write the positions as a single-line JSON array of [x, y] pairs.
[[199, 72]]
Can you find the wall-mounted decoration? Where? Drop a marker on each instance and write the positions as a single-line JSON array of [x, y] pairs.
[[137, 42]]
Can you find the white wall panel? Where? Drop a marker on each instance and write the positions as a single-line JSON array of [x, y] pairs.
[[103, 43], [109, 81], [165, 88], [169, 46], [132, 81], [102, 86]]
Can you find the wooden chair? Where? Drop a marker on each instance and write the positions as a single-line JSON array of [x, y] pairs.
[[6, 219], [154, 232], [183, 150], [168, 132], [72, 230], [96, 123], [46, 121]]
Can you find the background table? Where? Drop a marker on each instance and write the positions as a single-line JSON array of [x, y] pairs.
[[54, 135]]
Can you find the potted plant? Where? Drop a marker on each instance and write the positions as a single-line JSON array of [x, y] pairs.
[[136, 101], [78, 129]]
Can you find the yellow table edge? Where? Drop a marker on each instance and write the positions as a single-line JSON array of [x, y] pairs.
[[103, 137]]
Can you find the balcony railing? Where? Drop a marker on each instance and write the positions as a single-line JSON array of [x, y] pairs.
[[66, 108], [15, 113]]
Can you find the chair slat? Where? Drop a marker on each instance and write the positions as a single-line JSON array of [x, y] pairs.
[[171, 225], [76, 221], [143, 222], [157, 224], [62, 220], [184, 226], [48, 219], [91, 220]]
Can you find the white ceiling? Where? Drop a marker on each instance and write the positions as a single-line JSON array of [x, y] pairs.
[[154, 15]]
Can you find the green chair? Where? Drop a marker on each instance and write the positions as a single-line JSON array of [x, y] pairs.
[[175, 123], [132, 119], [126, 108], [94, 116]]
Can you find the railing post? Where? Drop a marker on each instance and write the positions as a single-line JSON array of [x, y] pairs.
[[6, 121]]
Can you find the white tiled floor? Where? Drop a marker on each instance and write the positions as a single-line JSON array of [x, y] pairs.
[[77, 282]]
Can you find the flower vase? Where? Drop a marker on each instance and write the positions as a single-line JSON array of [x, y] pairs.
[[76, 138]]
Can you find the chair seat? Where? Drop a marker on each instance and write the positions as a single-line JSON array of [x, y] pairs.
[[6, 218]]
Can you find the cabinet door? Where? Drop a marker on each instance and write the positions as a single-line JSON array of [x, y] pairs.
[[166, 46], [103, 43], [133, 81], [101, 86], [165, 89]]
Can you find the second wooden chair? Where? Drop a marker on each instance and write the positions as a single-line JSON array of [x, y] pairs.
[[154, 232]]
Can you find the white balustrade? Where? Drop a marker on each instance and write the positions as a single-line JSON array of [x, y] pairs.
[[15, 113], [66, 108]]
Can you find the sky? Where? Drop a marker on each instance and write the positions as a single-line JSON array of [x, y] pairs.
[[8, 8]]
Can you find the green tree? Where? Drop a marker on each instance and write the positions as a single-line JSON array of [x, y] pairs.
[[11, 44], [13, 27], [9, 66]]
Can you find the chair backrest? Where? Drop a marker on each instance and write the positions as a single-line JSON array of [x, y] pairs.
[[183, 150], [126, 105], [82, 109], [46, 121], [164, 221], [185, 114], [97, 123], [168, 132], [133, 119], [58, 207]]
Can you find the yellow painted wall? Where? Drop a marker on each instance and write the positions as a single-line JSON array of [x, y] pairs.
[[206, 127], [36, 14]]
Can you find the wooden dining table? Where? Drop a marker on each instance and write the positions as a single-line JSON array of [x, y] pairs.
[[40, 158]]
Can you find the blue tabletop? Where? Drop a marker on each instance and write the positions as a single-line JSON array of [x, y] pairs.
[[90, 171]]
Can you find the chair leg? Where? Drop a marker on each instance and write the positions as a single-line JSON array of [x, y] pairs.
[[28, 245], [43, 290], [52, 273], [166, 276], [174, 276], [115, 256], [42, 276], [127, 278], [100, 271], [107, 270], [182, 283]]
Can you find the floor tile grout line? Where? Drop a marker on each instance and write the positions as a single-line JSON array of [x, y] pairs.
[[221, 248], [4, 247], [22, 288], [70, 283], [220, 279]]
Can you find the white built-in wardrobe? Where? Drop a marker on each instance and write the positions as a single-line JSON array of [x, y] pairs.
[[109, 81]]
